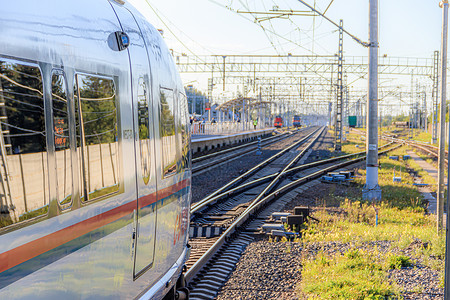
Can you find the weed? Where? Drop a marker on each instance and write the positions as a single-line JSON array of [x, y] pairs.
[[398, 262]]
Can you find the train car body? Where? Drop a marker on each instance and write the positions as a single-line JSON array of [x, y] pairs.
[[402, 124], [352, 121], [94, 140], [297, 122], [278, 123]]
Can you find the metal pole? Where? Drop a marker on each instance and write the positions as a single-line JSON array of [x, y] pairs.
[[330, 108], [340, 91], [444, 6], [243, 115], [441, 154], [372, 190], [260, 108], [223, 72], [435, 96]]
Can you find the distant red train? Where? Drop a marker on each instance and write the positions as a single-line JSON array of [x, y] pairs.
[[297, 122], [278, 122]]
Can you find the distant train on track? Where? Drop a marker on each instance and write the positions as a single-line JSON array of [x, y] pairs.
[[405, 124], [297, 121], [95, 173], [278, 123]]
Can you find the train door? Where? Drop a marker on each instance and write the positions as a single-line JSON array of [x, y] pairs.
[[146, 178], [144, 237]]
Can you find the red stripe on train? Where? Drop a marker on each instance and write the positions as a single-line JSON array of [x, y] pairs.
[[18, 255]]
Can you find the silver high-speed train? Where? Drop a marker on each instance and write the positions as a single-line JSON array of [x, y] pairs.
[[95, 162]]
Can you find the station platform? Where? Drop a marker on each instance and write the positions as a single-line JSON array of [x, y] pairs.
[[201, 142]]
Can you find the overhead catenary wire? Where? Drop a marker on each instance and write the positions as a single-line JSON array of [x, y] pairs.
[[365, 44], [265, 29], [170, 30], [273, 32]]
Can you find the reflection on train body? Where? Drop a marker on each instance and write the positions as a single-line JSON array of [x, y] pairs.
[[23, 140], [95, 154], [24, 170]]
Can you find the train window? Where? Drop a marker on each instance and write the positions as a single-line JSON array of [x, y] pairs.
[[61, 138], [22, 144], [167, 132], [184, 131], [144, 130], [97, 137]]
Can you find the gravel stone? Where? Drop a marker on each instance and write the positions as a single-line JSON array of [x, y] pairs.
[[267, 270]]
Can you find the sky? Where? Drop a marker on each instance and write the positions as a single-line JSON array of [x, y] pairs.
[[407, 28]]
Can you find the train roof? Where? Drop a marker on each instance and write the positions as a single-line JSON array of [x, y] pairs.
[[77, 34]]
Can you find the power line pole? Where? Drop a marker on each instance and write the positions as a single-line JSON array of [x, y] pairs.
[[340, 91], [441, 154], [330, 108], [444, 6], [372, 190]]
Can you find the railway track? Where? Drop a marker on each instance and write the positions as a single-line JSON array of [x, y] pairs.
[[256, 165], [235, 221], [429, 149], [213, 160]]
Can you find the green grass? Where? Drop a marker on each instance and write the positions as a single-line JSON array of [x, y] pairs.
[[423, 136], [354, 140], [357, 274], [355, 225], [398, 194], [361, 272]]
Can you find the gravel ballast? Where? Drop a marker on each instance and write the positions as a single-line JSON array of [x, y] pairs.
[[267, 270]]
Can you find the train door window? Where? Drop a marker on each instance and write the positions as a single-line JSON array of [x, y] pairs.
[[23, 168], [61, 138], [97, 137], [184, 130], [167, 132], [144, 130]]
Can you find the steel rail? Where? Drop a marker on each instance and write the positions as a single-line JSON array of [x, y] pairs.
[[307, 178], [203, 157], [254, 169], [198, 265], [196, 207], [225, 158], [422, 146], [272, 185]]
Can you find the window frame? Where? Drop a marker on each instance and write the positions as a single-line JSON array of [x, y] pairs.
[[81, 158], [175, 171], [184, 164], [60, 72], [46, 195]]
